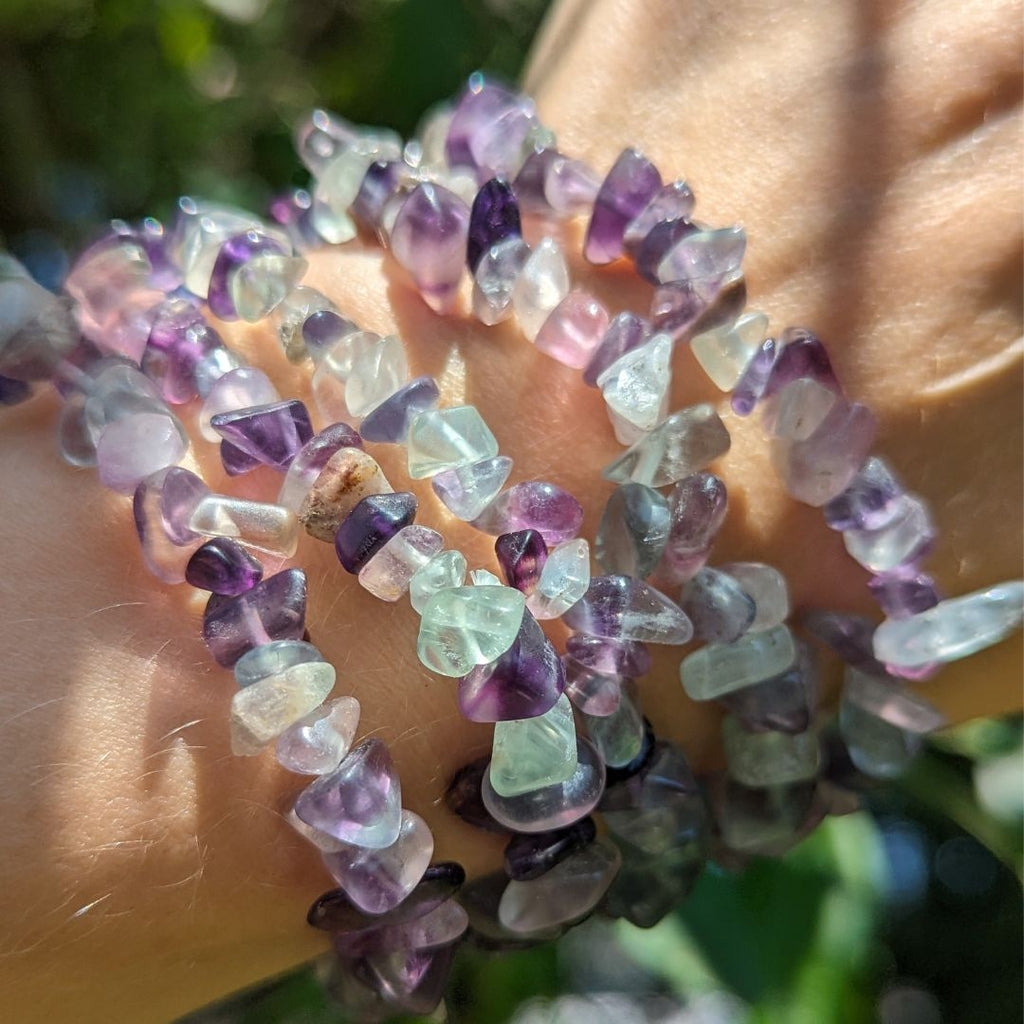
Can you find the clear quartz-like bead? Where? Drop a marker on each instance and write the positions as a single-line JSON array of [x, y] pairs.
[[257, 524], [262, 711], [767, 586], [377, 372], [484, 578], [905, 538], [563, 580], [334, 365], [799, 409], [953, 629], [241, 388], [444, 571], [273, 658], [718, 669], [495, 277], [443, 439], [574, 329], [287, 319], [468, 490], [635, 387], [541, 285], [466, 626], [387, 574], [704, 255], [723, 353], [768, 758], [318, 742], [135, 447], [532, 753]]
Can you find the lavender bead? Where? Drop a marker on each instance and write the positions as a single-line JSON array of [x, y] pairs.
[[628, 188], [850, 636], [137, 446], [178, 340], [594, 693], [754, 379], [162, 507], [697, 509], [380, 182], [389, 423], [468, 490], [678, 307], [310, 461], [370, 525], [612, 657], [904, 592], [439, 927], [429, 240], [670, 204], [274, 609], [322, 329], [271, 434], [626, 609], [233, 254], [650, 254], [493, 218], [801, 354], [570, 186], [870, 500], [235, 461], [524, 682], [721, 611], [533, 505], [521, 556], [529, 183], [241, 388], [783, 704], [223, 567], [626, 332]]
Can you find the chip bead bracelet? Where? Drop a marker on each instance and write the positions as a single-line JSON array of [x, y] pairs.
[[439, 205]]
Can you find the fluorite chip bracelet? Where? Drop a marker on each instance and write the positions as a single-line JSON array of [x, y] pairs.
[[599, 814]]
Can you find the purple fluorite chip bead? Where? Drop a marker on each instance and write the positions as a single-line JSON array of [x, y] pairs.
[[750, 387], [521, 556], [224, 567], [626, 332], [389, 422], [608, 656], [533, 505], [628, 188], [234, 253], [370, 525], [530, 856], [270, 434], [493, 218]]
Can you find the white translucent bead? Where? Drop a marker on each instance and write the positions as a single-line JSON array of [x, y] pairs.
[[261, 283], [387, 574], [898, 542], [318, 742], [953, 629], [257, 524], [718, 669], [443, 571], [333, 368], [137, 446], [799, 409], [288, 317], [769, 758], [262, 711], [468, 490], [767, 586], [723, 353], [495, 276], [376, 373], [635, 387], [321, 840], [542, 284], [441, 439], [563, 580], [484, 578], [334, 226], [237, 389], [704, 255], [531, 753]]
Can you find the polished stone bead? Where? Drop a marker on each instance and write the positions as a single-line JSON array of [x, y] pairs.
[[257, 524], [768, 758], [489, 129], [883, 724], [628, 609], [850, 636], [493, 218], [251, 275], [680, 445], [530, 856], [633, 530], [635, 388], [319, 136], [817, 469], [904, 592], [241, 388], [719, 608], [725, 352], [481, 899], [463, 797], [521, 556], [797, 411], [162, 507], [311, 460], [344, 379], [495, 275], [289, 317], [754, 379], [765, 822], [612, 657], [718, 669], [785, 703], [534, 753], [335, 912], [178, 339], [324, 843], [524, 682], [619, 737], [629, 186], [262, 711], [574, 329], [380, 182], [273, 434], [563, 580], [468, 490], [387, 574], [223, 567], [349, 476], [801, 355], [467, 626], [533, 505], [904, 540], [378, 371], [407, 982], [869, 502], [678, 307], [568, 892], [595, 693], [444, 571], [625, 332], [570, 186], [767, 587], [370, 525], [530, 181], [554, 806], [360, 802], [377, 880], [438, 927], [697, 509], [389, 422], [272, 659], [429, 238], [648, 888], [443, 439], [541, 285], [648, 253], [133, 448], [484, 578], [322, 330], [275, 609], [671, 203], [952, 629], [713, 255]]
